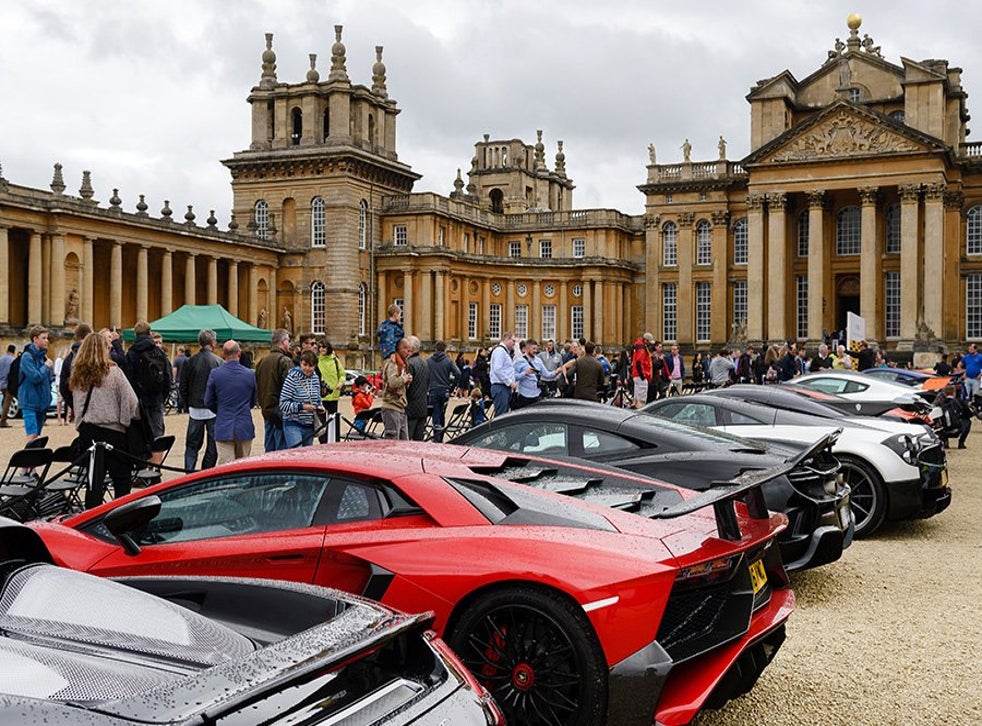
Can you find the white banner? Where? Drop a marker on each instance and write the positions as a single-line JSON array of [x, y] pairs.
[[855, 331]]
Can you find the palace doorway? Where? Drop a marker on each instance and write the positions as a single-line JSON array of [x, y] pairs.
[[846, 298]]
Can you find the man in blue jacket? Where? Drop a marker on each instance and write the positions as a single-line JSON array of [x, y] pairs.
[[231, 393], [36, 377]]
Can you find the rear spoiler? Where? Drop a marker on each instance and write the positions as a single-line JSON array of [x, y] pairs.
[[745, 487]]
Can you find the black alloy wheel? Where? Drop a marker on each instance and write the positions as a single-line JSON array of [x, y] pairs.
[[867, 496], [537, 655]]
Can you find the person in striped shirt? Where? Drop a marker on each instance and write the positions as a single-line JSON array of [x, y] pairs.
[[300, 400]]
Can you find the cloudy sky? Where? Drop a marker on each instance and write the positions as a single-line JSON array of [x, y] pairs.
[[150, 94]]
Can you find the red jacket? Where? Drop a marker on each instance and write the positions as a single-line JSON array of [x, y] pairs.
[[641, 360]]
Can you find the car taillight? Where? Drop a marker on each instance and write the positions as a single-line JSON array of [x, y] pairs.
[[718, 569]]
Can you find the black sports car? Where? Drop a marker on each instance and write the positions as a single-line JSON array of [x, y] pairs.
[[78, 649], [812, 495]]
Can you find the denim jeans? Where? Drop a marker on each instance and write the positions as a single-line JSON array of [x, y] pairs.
[[297, 434], [197, 429], [273, 439], [501, 396], [438, 400]]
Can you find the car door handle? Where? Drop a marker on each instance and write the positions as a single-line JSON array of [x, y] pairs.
[[287, 557]]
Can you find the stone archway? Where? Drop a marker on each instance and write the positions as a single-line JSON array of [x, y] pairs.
[[847, 298]]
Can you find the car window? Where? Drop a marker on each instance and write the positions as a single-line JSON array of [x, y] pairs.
[[598, 443], [698, 414], [734, 418], [828, 385], [528, 438], [232, 505], [356, 502], [855, 387]]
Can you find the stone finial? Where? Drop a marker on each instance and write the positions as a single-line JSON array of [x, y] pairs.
[[339, 71], [232, 224], [853, 22], [268, 77], [141, 206], [115, 203], [3, 182], [378, 75], [540, 151], [166, 212], [560, 160], [189, 216], [312, 74], [58, 181], [86, 191], [212, 220], [458, 185]]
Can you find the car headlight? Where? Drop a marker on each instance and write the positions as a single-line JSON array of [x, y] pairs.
[[903, 446]]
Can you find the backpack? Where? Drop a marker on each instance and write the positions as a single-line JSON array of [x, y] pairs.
[[66, 371], [152, 375], [13, 377]]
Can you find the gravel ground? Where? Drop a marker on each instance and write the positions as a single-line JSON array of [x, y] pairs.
[[890, 634]]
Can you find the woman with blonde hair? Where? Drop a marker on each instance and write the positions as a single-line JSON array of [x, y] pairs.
[[105, 404]]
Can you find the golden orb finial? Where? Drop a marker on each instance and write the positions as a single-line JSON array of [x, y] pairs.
[[854, 21]]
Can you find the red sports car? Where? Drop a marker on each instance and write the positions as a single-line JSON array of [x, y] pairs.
[[568, 610]]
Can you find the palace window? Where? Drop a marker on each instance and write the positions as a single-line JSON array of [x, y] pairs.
[[317, 307], [855, 94], [669, 305], [494, 321], [514, 249], [548, 322], [670, 245], [318, 226], [973, 306], [399, 235], [362, 309], [296, 117], [363, 225], [576, 321], [480, 245], [703, 311], [848, 232], [740, 303], [801, 317], [545, 249], [803, 233], [704, 244], [891, 289], [441, 236], [577, 290], [579, 247], [740, 244], [472, 320], [262, 219], [973, 230], [521, 321], [893, 230]]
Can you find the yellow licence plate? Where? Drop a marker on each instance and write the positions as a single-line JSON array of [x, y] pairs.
[[758, 576]]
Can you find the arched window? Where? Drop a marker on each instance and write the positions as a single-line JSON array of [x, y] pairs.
[[704, 243], [803, 233], [973, 230], [362, 309], [371, 130], [670, 245], [740, 242], [893, 230], [363, 225], [318, 226], [296, 128], [848, 231], [497, 198], [327, 122], [262, 219], [318, 309]]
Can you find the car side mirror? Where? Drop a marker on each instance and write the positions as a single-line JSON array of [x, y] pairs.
[[123, 521]]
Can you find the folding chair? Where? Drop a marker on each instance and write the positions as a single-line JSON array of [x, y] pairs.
[[19, 493], [66, 486], [41, 442], [364, 426], [148, 475], [458, 421]]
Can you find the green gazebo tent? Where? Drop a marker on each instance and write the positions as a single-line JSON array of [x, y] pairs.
[[184, 324]]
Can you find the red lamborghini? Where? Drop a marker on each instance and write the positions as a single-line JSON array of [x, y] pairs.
[[576, 594]]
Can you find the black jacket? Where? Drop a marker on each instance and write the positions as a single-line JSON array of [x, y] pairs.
[[416, 393], [142, 347], [443, 372], [194, 377]]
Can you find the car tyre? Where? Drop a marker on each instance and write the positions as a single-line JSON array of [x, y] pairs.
[[537, 654], [867, 497]]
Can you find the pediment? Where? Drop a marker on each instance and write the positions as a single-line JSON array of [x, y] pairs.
[[843, 131]]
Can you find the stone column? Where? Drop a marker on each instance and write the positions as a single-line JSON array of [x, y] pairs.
[[426, 306], [439, 308], [870, 269], [777, 267], [652, 318], [142, 282], [274, 302], [587, 302], [934, 254], [508, 316], [535, 312], [816, 265], [562, 314], [598, 312], [4, 275], [254, 296], [88, 281], [685, 295], [485, 316], [57, 315], [212, 280], [755, 267], [408, 307], [116, 284], [721, 326], [382, 301], [167, 283], [35, 279], [46, 279], [909, 263], [191, 284], [233, 288]]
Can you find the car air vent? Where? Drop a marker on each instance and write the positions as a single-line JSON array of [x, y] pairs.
[[486, 498]]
